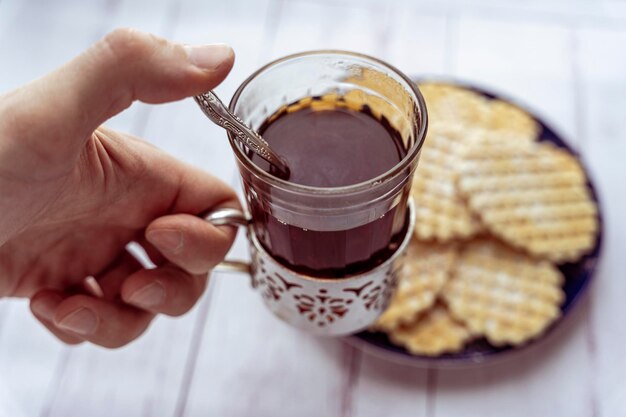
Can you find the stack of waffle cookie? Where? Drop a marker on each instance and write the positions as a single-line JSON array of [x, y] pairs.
[[497, 211]]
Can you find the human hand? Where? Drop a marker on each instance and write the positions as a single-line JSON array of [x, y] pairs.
[[73, 194]]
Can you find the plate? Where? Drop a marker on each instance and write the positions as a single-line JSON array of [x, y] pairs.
[[578, 276]]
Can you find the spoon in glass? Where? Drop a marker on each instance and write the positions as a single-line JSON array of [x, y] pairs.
[[219, 114]]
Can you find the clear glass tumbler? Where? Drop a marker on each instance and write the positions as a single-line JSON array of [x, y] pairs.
[[331, 232]]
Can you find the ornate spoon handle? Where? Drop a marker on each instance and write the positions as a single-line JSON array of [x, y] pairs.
[[215, 110]]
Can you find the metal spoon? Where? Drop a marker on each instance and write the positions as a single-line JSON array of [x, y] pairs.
[[219, 114]]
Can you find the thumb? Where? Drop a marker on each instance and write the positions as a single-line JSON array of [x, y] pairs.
[[54, 115]]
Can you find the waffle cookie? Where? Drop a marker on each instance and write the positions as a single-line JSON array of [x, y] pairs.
[[435, 332], [509, 120], [451, 104], [532, 195], [491, 118], [441, 214], [503, 294], [425, 271]]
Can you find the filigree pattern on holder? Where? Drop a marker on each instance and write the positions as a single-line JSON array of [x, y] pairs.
[[322, 308], [274, 286]]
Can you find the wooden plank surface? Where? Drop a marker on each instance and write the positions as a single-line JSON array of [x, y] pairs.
[[602, 62], [532, 62], [230, 378], [417, 45], [29, 356], [229, 356]]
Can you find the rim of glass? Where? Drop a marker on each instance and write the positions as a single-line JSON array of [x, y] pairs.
[[361, 186]]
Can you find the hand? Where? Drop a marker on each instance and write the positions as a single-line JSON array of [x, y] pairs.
[[73, 194]]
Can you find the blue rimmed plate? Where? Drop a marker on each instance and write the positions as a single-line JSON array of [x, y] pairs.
[[578, 276]]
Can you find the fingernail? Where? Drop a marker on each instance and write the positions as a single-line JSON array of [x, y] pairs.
[[82, 321], [167, 240], [209, 56], [151, 295], [45, 307]]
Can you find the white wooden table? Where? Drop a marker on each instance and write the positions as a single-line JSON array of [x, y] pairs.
[[229, 356]]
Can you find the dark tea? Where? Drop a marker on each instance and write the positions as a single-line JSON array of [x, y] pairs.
[[330, 144]]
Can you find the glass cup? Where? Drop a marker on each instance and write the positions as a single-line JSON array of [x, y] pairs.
[[325, 259]]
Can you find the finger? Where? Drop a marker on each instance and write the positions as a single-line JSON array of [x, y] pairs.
[[111, 279], [200, 192], [194, 191], [43, 305], [191, 242], [124, 66], [187, 241], [153, 254], [99, 321], [167, 290]]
